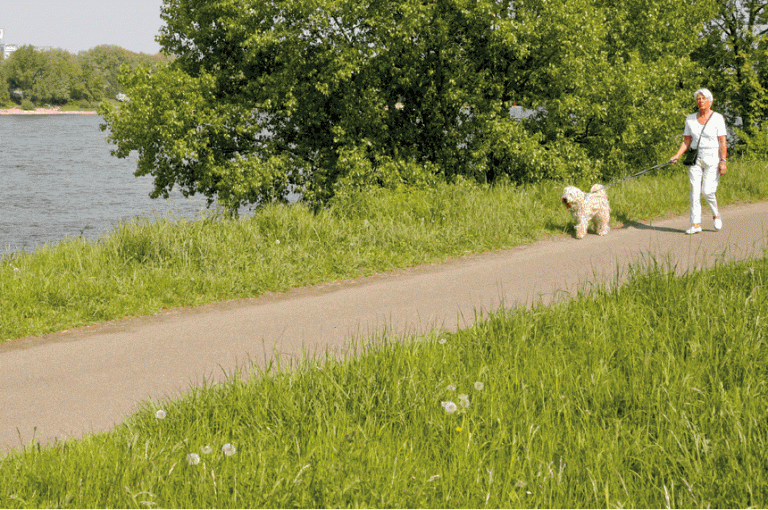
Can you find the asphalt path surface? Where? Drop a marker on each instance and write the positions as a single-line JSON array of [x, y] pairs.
[[71, 383]]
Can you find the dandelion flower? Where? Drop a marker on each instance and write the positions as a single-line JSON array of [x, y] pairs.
[[228, 449], [206, 449], [449, 407], [479, 386], [193, 459], [459, 429], [160, 414]]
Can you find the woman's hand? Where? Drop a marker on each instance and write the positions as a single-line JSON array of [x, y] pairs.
[[722, 167], [675, 158]]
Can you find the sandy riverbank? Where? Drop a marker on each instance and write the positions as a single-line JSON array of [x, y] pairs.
[[43, 111]]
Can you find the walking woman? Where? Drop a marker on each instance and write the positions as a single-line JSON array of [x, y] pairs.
[[704, 130]]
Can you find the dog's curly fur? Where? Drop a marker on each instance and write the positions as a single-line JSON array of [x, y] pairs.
[[586, 207]]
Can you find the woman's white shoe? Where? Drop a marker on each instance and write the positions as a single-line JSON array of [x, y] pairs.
[[693, 230], [718, 223]]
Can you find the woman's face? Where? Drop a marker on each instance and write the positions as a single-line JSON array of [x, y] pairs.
[[703, 102]]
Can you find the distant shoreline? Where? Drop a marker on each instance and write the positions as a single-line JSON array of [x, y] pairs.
[[44, 111]]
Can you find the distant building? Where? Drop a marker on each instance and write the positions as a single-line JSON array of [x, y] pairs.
[[6, 49]]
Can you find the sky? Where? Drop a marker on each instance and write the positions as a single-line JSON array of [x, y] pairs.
[[79, 25]]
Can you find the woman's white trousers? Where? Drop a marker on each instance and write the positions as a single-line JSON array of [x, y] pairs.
[[704, 178]]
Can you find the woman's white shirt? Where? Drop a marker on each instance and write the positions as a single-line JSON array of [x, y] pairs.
[[709, 138]]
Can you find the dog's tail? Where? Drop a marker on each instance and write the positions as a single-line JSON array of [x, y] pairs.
[[596, 187]]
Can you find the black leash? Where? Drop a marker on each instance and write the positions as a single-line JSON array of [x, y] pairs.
[[666, 163]]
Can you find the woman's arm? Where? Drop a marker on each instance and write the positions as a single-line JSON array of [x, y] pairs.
[[683, 147], [722, 166]]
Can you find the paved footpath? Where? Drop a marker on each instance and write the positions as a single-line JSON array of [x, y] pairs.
[[71, 383]]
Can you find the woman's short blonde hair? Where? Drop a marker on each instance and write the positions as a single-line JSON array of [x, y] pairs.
[[704, 92]]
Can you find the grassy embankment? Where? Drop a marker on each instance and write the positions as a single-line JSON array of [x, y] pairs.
[[144, 266], [654, 395]]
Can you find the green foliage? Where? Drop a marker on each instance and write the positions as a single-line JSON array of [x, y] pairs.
[[733, 63], [58, 77], [392, 93], [753, 144]]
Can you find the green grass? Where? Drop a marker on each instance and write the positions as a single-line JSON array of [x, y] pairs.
[[650, 395], [653, 395], [147, 264]]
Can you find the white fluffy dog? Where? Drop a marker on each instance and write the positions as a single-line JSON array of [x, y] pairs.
[[586, 207]]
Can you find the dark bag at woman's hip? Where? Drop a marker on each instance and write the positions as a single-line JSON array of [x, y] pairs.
[[689, 158]]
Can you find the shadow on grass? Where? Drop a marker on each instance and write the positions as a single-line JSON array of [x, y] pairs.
[[560, 228]]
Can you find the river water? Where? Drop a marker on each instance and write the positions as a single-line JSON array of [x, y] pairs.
[[58, 179]]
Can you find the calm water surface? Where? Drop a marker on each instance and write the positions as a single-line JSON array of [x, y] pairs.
[[57, 179]]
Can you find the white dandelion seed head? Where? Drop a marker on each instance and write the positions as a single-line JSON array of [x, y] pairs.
[[160, 414], [451, 387], [399, 106], [464, 402], [479, 386], [277, 241], [193, 459], [442, 341], [449, 407], [228, 449], [206, 449]]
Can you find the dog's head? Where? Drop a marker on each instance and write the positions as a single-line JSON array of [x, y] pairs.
[[572, 196]]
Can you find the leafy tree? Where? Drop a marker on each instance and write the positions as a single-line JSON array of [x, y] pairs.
[[628, 97], [734, 64], [265, 97], [101, 67], [56, 73], [22, 67], [5, 95], [42, 76], [56, 76]]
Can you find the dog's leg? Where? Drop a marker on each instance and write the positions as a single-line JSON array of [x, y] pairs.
[[581, 227], [602, 220]]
